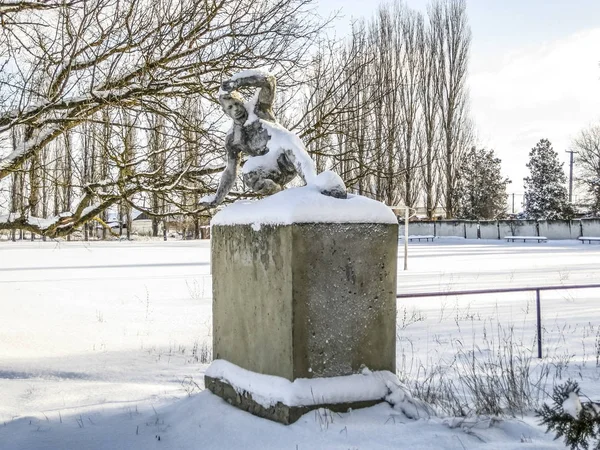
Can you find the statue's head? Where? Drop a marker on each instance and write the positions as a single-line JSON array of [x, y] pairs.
[[233, 105]]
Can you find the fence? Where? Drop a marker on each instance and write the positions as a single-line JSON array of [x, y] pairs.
[[497, 229], [537, 290]]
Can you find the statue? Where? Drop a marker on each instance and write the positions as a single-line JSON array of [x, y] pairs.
[[275, 154]]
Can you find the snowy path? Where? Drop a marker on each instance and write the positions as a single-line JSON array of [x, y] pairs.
[[103, 332]]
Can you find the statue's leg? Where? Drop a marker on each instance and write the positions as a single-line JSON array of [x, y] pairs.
[[257, 181], [300, 161], [327, 182], [267, 187], [285, 162]]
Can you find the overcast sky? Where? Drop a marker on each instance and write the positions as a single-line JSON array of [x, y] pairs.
[[534, 72]]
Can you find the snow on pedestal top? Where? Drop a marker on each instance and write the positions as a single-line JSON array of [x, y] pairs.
[[304, 205]]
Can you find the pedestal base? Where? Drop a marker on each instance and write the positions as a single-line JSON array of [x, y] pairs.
[[279, 412], [284, 401]]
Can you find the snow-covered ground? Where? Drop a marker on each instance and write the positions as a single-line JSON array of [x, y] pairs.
[[101, 346]]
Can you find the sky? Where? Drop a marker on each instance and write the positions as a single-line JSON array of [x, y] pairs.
[[534, 72]]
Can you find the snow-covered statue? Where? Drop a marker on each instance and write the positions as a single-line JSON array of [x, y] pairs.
[[275, 154]]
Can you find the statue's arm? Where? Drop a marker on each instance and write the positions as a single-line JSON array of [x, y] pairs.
[[227, 178], [264, 81]]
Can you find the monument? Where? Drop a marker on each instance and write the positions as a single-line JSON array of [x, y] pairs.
[[275, 155], [304, 280]]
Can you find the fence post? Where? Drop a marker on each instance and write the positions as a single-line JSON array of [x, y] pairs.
[[539, 322]]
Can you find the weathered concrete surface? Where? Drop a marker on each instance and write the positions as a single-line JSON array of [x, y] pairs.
[[280, 412], [518, 228], [560, 229], [252, 298], [471, 229], [418, 228], [590, 227], [305, 300], [344, 298], [445, 228], [488, 229]]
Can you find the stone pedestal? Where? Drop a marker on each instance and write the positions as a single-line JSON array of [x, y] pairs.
[[304, 286], [305, 300]]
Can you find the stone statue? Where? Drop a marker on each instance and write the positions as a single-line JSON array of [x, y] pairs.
[[275, 155]]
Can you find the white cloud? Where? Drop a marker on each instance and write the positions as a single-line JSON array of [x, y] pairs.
[[545, 91]]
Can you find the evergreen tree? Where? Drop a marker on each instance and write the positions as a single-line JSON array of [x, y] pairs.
[[545, 191], [578, 423], [481, 187]]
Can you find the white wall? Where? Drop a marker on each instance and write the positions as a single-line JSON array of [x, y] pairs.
[[450, 228], [471, 230], [488, 229], [559, 229], [517, 228], [419, 229], [552, 229], [591, 227]]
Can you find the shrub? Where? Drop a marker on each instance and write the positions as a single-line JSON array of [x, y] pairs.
[[578, 423]]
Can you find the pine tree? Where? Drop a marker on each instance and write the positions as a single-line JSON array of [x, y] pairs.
[[545, 191], [481, 188], [578, 423]]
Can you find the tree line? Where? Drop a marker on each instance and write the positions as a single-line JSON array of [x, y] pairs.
[[111, 105], [546, 195], [388, 107]]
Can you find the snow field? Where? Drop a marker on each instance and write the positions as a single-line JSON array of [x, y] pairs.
[[100, 346], [484, 349], [84, 325]]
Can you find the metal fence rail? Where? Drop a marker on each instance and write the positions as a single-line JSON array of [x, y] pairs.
[[537, 290]]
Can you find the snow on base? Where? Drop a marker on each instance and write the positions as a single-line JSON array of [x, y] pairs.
[[268, 390], [304, 205]]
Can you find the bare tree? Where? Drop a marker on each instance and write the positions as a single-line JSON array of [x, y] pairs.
[[394, 119], [429, 138], [113, 103], [411, 79], [137, 55], [156, 160], [335, 107], [448, 21], [587, 162]]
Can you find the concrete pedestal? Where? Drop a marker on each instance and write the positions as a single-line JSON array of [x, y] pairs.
[[279, 412], [305, 300]]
